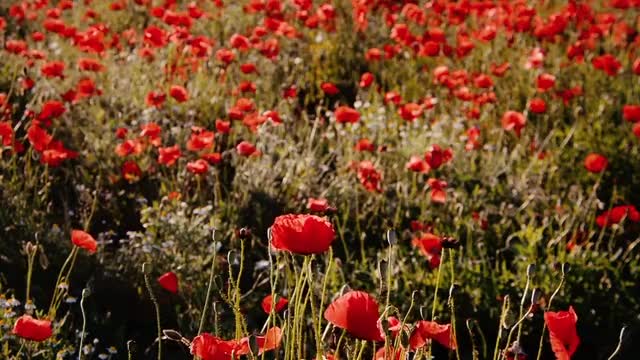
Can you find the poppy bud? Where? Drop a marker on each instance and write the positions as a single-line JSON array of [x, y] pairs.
[[132, 347], [30, 249], [531, 269], [146, 268], [86, 292], [535, 295], [392, 238], [172, 334], [565, 267], [453, 290], [244, 234]]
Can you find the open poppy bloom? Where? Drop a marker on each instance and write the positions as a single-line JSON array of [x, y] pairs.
[[302, 234], [345, 114], [431, 330], [329, 88], [169, 282], [617, 214], [208, 347], [84, 240], [513, 120], [357, 313], [430, 246], [562, 332], [280, 304], [438, 194], [416, 164], [595, 163], [29, 328]]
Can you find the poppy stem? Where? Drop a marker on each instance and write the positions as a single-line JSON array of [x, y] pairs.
[[524, 295], [615, 352], [544, 325], [503, 316], [31, 255], [210, 286], [435, 292], [145, 269], [55, 289], [85, 293]]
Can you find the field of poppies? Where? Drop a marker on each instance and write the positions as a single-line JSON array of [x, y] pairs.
[[319, 179]]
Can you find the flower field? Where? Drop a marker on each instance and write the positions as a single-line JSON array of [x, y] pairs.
[[319, 179]]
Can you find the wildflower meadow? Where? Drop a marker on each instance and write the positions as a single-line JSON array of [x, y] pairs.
[[319, 179]]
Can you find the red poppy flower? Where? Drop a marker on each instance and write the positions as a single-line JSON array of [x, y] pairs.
[[435, 156], [169, 155], [248, 68], [318, 205], [411, 111], [6, 133], [151, 131], [357, 313], [417, 164], [366, 80], [53, 69], [438, 194], [545, 82], [198, 167], [155, 36], [129, 147], [29, 328], [245, 148], [208, 347], [223, 127], [631, 113], [537, 106], [89, 64], [280, 304], [84, 240], [607, 63], [346, 114], [200, 139], [269, 341], [302, 234], [365, 145], [329, 88], [430, 246], [513, 120], [617, 214], [51, 110], [155, 98], [131, 171], [427, 330], [369, 176], [212, 158], [483, 81], [595, 163], [636, 129], [179, 93], [169, 282], [562, 332]]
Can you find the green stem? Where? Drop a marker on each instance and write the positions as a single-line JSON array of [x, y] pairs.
[[156, 306]]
